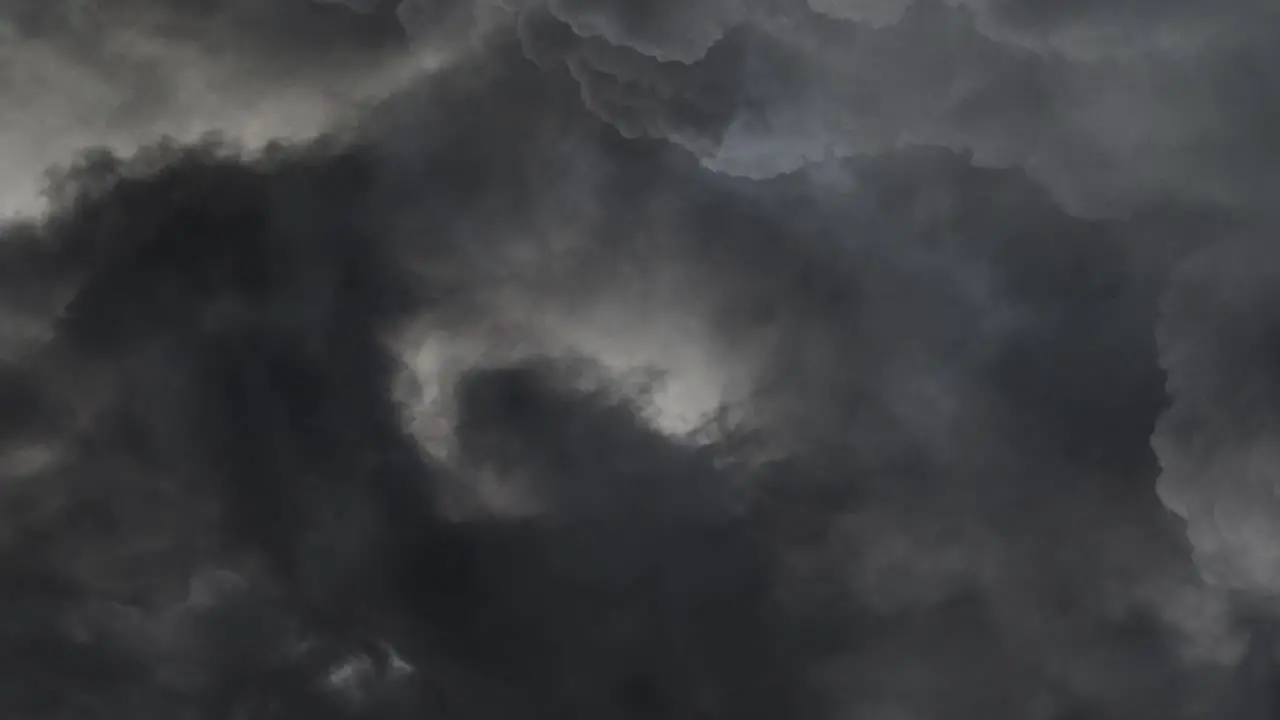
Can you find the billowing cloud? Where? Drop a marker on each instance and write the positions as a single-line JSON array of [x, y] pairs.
[[1111, 106], [124, 75], [1217, 441], [694, 360]]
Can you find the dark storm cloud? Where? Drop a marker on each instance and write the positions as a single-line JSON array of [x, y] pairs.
[[928, 491], [124, 74], [225, 407], [1215, 443], [1110, 106], [274, 32]]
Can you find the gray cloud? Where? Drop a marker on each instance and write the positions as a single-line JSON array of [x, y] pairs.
[[1216, 440], [80, 74], [379, 422], [1110, 106]]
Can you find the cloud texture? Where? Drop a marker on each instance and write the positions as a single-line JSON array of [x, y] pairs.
[[726, 359]]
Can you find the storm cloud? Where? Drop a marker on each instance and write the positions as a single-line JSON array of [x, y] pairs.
[[580, 358]]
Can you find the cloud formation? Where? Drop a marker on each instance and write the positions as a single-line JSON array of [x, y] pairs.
[[126, 74], [707, 359], [1110, 106]]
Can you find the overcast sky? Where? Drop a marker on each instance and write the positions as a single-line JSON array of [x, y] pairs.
[[848, 359]]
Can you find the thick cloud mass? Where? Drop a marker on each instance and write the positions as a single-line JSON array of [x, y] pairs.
[[1109, 105], [122, 74], [590, 359]]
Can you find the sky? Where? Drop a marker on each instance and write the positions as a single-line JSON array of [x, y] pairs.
[[823, 359]]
